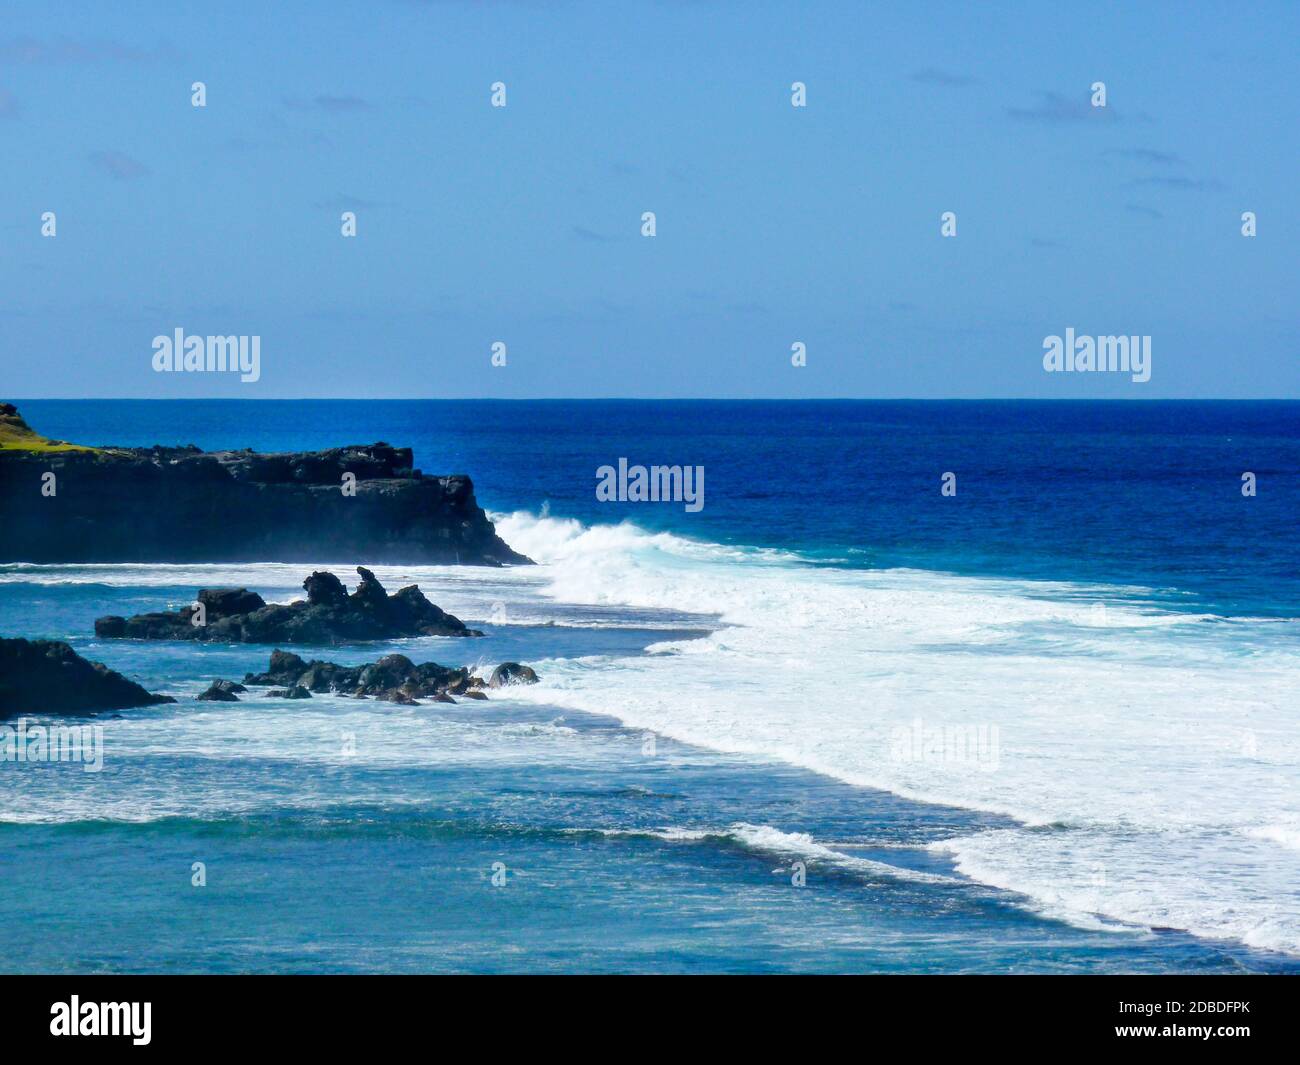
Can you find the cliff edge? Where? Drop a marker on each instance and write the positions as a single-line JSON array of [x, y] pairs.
[[64, 502]]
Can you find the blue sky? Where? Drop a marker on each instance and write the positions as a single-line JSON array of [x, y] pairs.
[[775, 224]]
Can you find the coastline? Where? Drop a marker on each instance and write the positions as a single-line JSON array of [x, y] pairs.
[[796, 666]]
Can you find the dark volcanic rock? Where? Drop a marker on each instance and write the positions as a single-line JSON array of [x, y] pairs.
[[284, 663], [111, 627], [47, 677], [328, 616], [222, 691], [325, 589], [227, 602], [394, 678], [180, 504], [511, 673], [296, 692]]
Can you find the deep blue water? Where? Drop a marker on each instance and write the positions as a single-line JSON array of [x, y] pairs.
[[1145, 493], [381, 859]]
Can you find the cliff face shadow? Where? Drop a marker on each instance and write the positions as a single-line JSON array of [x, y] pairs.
[[66, 503]]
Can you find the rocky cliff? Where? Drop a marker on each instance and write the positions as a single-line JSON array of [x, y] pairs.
[[181, 504]]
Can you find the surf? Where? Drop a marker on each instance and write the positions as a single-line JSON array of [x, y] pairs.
[[1155, 741]]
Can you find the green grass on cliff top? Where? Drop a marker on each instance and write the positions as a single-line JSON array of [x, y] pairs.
[[17, 435]]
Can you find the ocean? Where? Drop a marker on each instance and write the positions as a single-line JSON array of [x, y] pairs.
[[837, 720]]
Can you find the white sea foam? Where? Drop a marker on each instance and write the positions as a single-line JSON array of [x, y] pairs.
[[1145, 751], [1286, 835], [799, 846], [1151, 756]]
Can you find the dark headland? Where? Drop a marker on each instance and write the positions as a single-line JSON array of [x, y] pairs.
[[182, 504]]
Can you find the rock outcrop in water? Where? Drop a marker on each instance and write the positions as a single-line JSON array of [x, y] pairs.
[[181, 504], [327, 616], [394, 678], [48, 677], [222, 691], [508, 673]]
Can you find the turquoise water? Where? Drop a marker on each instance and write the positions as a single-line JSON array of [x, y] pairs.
[[720, 710]]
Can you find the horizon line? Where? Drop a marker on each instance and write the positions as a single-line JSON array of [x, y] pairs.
[[652, 399]]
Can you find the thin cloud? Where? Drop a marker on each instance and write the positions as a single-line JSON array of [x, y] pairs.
[[1055, 109], [118, 165], [1149, 155], [337, 104], [935, 76], [584, 233], [67, 51], [1142, 209], [285, 132], [1182, 184], [9, 105]]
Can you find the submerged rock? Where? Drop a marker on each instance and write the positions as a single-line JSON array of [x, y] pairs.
[[393, 678], [49, 677], [327, 616]]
